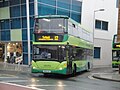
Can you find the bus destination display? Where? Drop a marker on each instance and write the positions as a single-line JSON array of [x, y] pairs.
[[55, 38], [117, 45]]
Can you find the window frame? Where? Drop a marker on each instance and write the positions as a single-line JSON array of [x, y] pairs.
[[101, 25], [98, 56]]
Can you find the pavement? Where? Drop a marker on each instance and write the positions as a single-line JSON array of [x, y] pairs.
[[15, 67], [104, 73], [108, 76]]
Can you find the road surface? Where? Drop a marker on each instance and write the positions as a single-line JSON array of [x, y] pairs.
[[82, 81]]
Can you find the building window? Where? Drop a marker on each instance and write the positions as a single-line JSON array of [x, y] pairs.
[[31, 33], [23, 10], [24, 34], [63, 12], [31, 0], [15, 11], [76, 5], [117, 3], [97, 52], [5, 24], [31, 9], [15, 23], [97, 24], [14, 2], [50, 2], [5, 35], [31, 22], [103, 25], [76, 16], [23, 1], [4, 3], [24, 22], [64, 4], [46, 10]]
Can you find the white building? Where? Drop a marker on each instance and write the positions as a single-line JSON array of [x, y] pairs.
[[104, 28]]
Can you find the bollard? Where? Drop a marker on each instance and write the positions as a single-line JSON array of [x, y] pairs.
[[119, 68]]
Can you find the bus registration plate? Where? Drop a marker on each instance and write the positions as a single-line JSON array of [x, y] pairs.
[[46, 71]]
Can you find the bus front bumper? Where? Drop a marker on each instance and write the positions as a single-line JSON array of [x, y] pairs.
[[62, 71]]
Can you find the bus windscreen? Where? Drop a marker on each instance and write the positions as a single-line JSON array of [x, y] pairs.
[[51, 25], [54, 53]]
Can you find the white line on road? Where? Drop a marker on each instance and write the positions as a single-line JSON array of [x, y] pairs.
[[34, 88], [46, 85], [16, 81], [79, 88], [8, 77]]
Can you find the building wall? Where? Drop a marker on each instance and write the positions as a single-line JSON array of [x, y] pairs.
[[105, 53], [103, 38]]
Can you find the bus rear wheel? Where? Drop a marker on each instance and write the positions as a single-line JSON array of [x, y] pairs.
[[88, 66]]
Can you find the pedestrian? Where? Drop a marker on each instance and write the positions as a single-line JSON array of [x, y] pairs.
[[8, 57]]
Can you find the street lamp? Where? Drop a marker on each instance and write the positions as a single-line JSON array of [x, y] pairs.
[[94, 24], [28, 30], [99, 10], [94, 19]]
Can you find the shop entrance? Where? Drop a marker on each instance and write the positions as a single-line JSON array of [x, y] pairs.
[[14, 52]]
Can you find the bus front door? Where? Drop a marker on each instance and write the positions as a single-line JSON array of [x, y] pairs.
[[69, 62]]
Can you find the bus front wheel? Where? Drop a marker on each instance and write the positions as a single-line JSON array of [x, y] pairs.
[[74, 70]]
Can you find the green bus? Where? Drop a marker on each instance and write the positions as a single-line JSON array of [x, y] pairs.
[[61, 46], [115, 52]]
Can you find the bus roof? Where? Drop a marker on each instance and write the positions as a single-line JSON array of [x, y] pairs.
[[53, 16], [66, 17]]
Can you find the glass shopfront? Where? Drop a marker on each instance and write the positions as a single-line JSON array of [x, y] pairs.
[[14, 51]]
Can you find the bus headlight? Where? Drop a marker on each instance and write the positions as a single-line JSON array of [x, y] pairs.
[[60, 68], [34, 67]]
